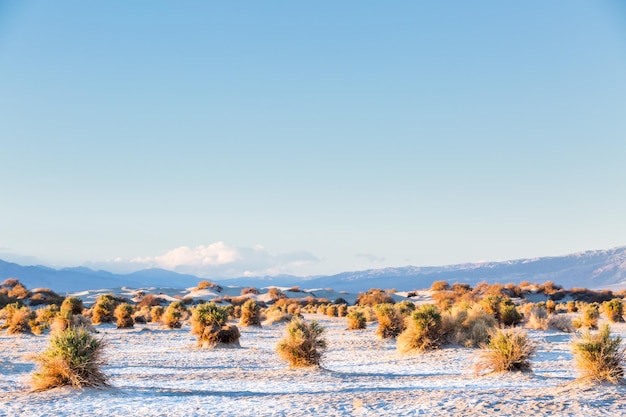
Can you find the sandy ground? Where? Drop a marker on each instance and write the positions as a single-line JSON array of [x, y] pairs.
[[158, 372]]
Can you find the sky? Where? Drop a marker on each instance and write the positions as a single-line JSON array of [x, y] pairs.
[[261, 138]]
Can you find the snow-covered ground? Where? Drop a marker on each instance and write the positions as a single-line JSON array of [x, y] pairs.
[[158, 372]]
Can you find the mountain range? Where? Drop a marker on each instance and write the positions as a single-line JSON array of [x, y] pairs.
[[595, 269]]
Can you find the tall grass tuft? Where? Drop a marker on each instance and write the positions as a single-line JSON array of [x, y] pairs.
[[506, 351], [589, 317], [73, 358], [303, 345], [599, 357]]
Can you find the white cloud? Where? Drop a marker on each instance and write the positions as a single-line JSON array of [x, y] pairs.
[[217, 260], [370, 257]]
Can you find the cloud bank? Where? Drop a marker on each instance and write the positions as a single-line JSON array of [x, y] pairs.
[[217, 260]]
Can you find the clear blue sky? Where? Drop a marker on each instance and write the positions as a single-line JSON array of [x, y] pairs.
[[310, 137]]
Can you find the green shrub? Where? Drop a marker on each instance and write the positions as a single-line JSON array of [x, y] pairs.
[[73, 358], [506, 351], [599, 357], [303, 345], [423, 332]]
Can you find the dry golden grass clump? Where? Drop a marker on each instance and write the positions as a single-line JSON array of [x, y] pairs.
[[356, 320], [342, 310], [103, 309], [423, 331], [73, 304], [124, 315], [469, 326], [275, 294], [18, 319], [44, 318], [390, 321], [73, 358], [561, 322], [599, 357], [208, 284], [250, 314], [506, 351], [374, 297], [332, 310], [277, 315], [589, 317], [502, 308], [156, 313], [537, 318], [66, 319], [303, 345], [614, 310], [174, 315], [208, 322]]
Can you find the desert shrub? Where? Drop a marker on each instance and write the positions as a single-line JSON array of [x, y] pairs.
[[250, 314], [303, 345], [149, 300], [10, 282], [103, 309], [614, 310], [469, 327], [208, 284], [561, 322], [342, 310], [589, 317], [249, 291], [73, 358], [156, 313], [423, 331], [356, 320], [373, 297], [19, 292], [173, 315], [508, 314], [537, 318], [45, 296], [507, 350], [18, 319], [275, 294], [332, 311], [142, 315], [440, 286], [65, 319], [599, 357], [208, 322], [550, 306], [124, 315], [276, 315], [73, 304], [390, 321], [43, 318]]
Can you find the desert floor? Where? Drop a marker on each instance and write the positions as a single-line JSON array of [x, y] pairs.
[[158, 372]]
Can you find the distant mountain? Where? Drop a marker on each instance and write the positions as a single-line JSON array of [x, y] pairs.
[[80, 279], [591, 269]]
